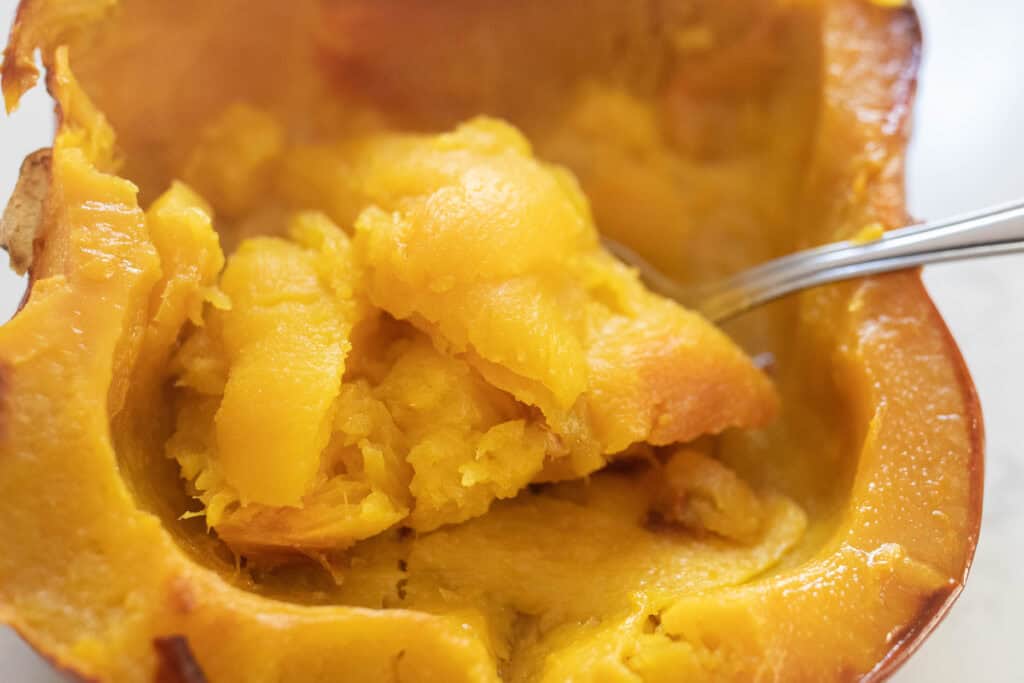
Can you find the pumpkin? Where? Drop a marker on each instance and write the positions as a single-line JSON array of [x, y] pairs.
[[358, 396]]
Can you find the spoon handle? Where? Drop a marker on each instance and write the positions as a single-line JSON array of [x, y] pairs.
[[990, 232]]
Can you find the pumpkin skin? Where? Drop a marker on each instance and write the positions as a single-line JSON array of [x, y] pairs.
[[100, 580]]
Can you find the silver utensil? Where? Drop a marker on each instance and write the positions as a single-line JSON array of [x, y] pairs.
[[990, 232]]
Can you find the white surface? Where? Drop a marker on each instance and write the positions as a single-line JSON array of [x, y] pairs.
[[968, 152]]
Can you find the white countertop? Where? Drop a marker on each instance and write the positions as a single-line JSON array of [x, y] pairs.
[[968, 152]]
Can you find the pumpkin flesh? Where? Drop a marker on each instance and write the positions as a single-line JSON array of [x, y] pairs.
[[834, 488]]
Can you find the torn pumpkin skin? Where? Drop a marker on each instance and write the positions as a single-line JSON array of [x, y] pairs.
[[418, 412]]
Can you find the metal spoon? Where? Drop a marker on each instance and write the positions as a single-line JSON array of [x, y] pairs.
[[990, 232]]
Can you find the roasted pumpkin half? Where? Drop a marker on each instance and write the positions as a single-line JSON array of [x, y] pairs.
[[323, 374]]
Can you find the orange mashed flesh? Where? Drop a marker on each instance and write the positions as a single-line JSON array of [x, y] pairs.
[[437, 327]]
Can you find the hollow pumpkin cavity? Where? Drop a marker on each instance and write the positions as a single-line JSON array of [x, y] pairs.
[[348, 406]]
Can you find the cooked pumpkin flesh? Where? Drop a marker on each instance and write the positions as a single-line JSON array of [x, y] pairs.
[[461, 336], [316, 398]]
